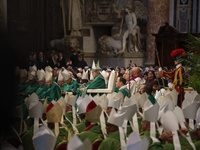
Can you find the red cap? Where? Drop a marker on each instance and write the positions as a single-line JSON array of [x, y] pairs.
[[91, 106]]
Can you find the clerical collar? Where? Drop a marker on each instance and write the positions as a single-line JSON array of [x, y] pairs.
[[123, 87]]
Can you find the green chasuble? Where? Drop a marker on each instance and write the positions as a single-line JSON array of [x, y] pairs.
[[92, 134], [124, 91], [73, 85], [63, 135], [147, 134], [27, 139], [195, 141], [185, 145], [82, 87], [112, 142], [20, 89], [53, 93], [69, 115], [129, 131], [41, 91], [32, 88], [97, 83], [197, 144], [152, 99], [22, 86], [81, 126], [116, 89], [62, 87]]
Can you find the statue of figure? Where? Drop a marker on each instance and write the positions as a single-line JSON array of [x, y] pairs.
[[75, 17], [133, 30], [109, 46]]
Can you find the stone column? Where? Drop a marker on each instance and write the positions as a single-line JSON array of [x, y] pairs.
[[3, 15], [158, 14]]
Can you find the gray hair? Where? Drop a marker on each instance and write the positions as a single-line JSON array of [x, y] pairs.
[[131, 72]]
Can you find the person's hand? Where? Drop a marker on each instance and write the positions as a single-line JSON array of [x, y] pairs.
[[160, 69], [43, 99], [63, 92], [81, 90], [166, 136], [184, 131]]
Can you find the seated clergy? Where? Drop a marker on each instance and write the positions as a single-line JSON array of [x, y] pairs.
[[53, 92], [93, 129], [97, 83]]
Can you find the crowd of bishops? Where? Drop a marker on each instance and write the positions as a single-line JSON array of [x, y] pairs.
[[100, 107]]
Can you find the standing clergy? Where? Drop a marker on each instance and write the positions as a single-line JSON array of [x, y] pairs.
[[98, 82]]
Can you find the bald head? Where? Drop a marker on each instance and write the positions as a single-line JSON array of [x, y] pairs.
[[136, 71]]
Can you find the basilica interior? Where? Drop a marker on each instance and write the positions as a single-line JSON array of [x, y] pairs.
[[33, 25]]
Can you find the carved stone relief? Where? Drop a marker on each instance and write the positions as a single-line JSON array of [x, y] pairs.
[[99, 12]]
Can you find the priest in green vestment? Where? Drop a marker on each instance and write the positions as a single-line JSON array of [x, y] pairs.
[[82, 104], [23, 81], [70, 85], [93, 129], [21, 86], [97, 83], [53, 92], [112, 141], [84, 82], [60, 81], [43, 87], [148, 89], [113, 125], [32, 87], [81, 126], [121, 85]]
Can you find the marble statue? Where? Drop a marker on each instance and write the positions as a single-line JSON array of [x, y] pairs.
[[130, 39], [109, 46], [75, 17], [133, 30]]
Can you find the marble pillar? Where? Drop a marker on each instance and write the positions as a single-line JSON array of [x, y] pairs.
[[158, 14]]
